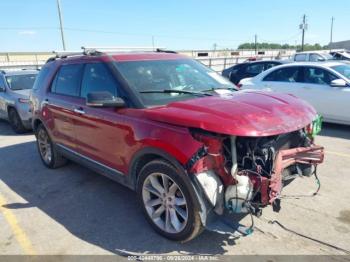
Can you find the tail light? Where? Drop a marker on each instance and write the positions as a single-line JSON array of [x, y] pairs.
[[239, 85]]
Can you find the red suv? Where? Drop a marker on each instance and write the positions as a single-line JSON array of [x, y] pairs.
[[195, 149]]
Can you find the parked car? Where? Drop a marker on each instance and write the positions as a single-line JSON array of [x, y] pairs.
[[326, 86], [15, 86], [249, 69], [193, 148], [341, 55], [312, 56]]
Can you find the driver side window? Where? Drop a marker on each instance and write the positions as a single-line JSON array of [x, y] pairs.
[[315, 58], [97, 78], [319, 76]]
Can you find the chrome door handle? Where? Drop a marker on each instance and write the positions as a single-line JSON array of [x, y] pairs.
[[79, 111]]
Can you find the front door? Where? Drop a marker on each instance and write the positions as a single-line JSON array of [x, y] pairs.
[[101, 132]]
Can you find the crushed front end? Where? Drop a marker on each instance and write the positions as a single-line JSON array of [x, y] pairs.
[[235, 176]]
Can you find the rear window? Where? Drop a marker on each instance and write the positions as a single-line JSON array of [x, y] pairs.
[[67, 80], [20, 82], [41, 77]]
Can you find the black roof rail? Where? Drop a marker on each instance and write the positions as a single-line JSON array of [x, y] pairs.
[[159, 50]]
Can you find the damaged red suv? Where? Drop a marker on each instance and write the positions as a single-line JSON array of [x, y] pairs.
[[195, 150]]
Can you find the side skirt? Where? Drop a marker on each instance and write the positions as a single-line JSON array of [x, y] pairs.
[[98, 167]]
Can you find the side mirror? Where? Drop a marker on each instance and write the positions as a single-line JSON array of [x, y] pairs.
[[104, 99], [321, 59], [2, 89], [339, 83]]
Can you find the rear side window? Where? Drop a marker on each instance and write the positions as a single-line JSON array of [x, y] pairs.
[[43, 73], [300, 57], [270, 65], [287, 74], [255, 69], [97, 77], [67, 81]]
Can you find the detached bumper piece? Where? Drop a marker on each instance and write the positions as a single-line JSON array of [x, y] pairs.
[[312, 155]]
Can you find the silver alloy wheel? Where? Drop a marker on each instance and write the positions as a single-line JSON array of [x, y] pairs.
[[165, 203], [44, 146]]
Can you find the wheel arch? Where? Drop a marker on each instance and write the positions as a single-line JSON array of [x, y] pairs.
[[36, 123], [144, 156]]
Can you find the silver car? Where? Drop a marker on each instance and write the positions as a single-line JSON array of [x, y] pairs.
[[15, 87]]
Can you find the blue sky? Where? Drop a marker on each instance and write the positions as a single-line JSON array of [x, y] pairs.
[[32, 25]]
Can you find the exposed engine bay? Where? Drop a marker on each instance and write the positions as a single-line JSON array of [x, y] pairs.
[[244, 174]]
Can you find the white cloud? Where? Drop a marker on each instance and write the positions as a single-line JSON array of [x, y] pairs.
[[27, 32]]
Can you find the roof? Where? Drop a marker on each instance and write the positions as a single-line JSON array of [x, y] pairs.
[[138, 56], [329, 63], [313, 52], [119, 56]]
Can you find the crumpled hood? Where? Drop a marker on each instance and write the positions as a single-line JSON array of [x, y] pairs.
[[242, 113]]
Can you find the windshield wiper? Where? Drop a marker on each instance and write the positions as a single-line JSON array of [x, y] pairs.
[[221, 88], [169, 91]]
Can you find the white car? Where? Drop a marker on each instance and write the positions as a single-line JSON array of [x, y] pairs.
[[312, 56], [326, 86]]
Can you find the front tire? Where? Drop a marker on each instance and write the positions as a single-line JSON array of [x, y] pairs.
[[47, 150], [167, 201], [16, 121]]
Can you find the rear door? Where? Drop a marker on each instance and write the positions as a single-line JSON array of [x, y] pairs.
[[330, 102], [101, 132], [284, 80], [61, 102]]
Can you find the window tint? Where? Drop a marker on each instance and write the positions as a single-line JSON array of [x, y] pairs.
[[67, 81], [270, 65], [287, 74], [300, 57], [97, 78], [2, 83], [43, 73], [255, 69], [21, 82], [314, 75], [316, 58]]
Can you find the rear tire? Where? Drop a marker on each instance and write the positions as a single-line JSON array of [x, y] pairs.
[[167, 201], [16, 122], [47, 149]]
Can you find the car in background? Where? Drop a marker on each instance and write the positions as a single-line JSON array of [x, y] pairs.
[[312, 56], [195, 150], [15, 86], [325, 85], [341, 55], [249, 69]]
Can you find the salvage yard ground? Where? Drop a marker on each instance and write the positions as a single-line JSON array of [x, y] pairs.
[[72, 210]]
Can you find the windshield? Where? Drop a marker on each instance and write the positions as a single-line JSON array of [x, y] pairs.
[[343, 70], [180, 75], [20, 82]]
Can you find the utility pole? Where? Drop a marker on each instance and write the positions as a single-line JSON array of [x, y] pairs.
[[153, 42], [303, 27], [330, 43], [61, 24], [256, 44]]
